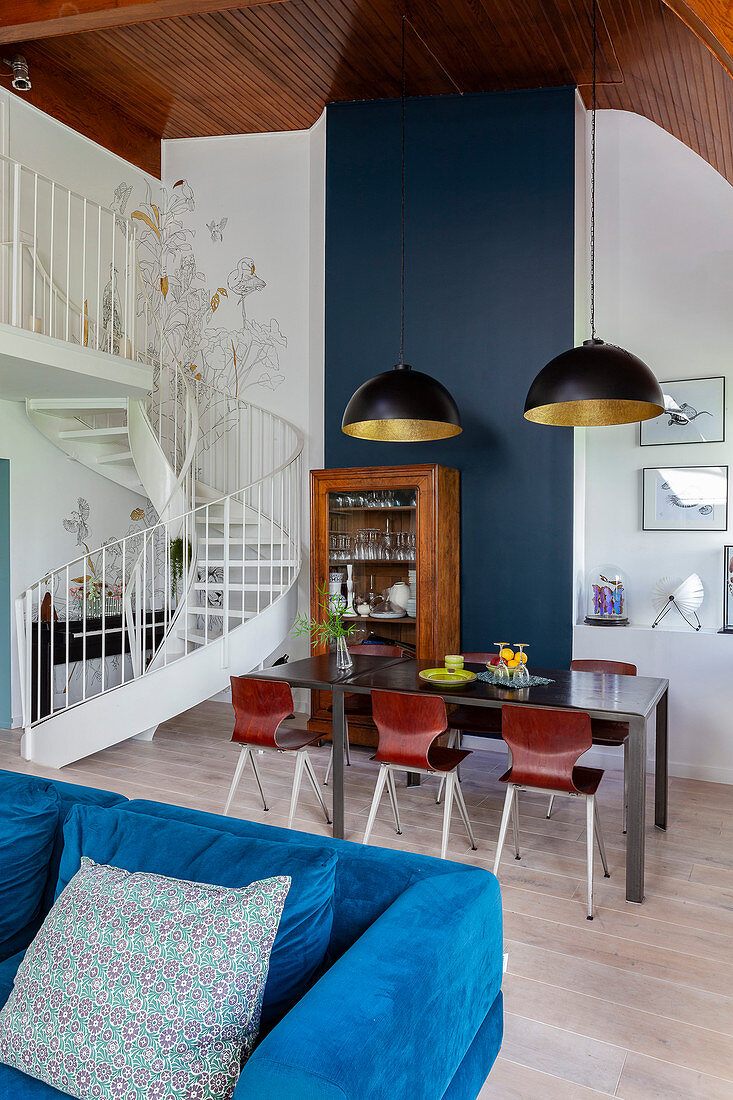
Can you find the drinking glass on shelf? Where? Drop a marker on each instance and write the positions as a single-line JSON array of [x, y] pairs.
[[388, 544], [521, 672], [501, 670]]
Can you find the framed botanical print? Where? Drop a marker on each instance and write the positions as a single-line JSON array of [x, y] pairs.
[[685, 498], [694, 412]]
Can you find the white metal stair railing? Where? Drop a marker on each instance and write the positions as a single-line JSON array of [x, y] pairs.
[[67, 265]]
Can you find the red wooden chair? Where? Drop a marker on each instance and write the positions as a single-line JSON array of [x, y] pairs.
[[360, 704], [260, 706], [545, 746], [606, 731], [485, 721], [408, 726]]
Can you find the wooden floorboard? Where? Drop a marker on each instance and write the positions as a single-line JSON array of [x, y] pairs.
[[637, 1004]]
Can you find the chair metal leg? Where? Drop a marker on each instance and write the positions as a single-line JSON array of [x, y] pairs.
[[453, 736], [392, 792], [450, 784], [296, 786], [515, 823], [314, 784], [347, 753], [258, 779], [464, 814], [508, 803], [243, 754], [626, 782], [549, 808], [381, 780], [599, 838], [590, 803]]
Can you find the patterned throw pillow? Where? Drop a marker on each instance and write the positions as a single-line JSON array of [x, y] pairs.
[[143, 987]]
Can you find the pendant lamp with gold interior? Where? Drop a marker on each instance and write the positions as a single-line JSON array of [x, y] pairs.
[[402, 405], [594, 384]]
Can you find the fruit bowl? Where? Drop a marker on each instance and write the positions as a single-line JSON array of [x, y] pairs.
[[513, 659]]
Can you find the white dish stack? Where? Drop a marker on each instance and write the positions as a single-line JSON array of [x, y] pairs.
[[411, 608]]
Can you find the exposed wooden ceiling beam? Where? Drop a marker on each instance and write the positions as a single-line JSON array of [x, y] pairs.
[[29, 20], [711, 21]]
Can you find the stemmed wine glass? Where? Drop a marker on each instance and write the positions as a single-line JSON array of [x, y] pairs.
[[521, 672], [501, 671]]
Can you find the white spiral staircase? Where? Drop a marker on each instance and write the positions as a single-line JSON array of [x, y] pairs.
[[123, 637]]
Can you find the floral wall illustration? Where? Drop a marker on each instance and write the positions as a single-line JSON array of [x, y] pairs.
[[234, 358]]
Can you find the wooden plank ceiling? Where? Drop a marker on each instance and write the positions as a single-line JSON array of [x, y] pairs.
[[273, 65]]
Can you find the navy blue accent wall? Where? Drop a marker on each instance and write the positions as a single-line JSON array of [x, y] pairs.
[[490, 288]]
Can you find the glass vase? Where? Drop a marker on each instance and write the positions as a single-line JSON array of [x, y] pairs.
[[344, 662]]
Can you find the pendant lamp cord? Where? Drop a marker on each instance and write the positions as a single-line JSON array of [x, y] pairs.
[[593, 185], [402, 211]]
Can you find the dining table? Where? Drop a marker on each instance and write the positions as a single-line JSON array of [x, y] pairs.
[[633, 700]]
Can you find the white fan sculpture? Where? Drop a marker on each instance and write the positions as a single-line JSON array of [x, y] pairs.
[[685, 595]]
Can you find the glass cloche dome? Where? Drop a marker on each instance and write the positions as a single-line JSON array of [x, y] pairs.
[[606, 597]]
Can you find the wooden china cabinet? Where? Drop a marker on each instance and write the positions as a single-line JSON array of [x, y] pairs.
[[389, 524]]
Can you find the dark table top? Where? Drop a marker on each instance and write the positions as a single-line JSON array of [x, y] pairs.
[[320, 671], [598, 693]]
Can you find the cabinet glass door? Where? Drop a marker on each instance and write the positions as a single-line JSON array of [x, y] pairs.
[[372, 561]]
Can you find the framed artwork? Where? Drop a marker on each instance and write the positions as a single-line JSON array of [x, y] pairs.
[[694, 413], [685, 498], [727, 590]]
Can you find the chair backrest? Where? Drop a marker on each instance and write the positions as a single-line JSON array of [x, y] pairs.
[[545, 745], [259, 708], [478, 658], [614, 668], [376, 650], [407, 725]]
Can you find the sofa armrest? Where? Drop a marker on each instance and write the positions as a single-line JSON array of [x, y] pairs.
[[395, 1015]]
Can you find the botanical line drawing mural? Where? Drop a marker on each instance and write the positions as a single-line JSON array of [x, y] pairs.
[[232, 359]]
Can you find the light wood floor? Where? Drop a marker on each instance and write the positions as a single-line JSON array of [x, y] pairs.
[[637, 1004]]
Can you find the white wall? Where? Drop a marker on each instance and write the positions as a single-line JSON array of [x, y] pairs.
[[271, 190], [664, 278]]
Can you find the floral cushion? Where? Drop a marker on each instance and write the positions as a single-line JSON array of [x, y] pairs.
[[143, 987]]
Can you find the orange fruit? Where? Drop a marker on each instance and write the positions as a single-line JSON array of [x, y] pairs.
[[507, 654], [522, 657]]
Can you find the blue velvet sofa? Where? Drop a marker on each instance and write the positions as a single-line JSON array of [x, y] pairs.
[[407, 1001]]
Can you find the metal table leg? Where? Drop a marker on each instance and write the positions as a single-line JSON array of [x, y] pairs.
[[661, 772], [636, 817], [338, 738]]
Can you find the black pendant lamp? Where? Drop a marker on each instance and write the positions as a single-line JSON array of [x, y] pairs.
[[594, 384], [402, 405]]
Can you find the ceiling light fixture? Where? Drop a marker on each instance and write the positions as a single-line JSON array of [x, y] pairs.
[[595, 384], [21, 78], [402, 405]]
